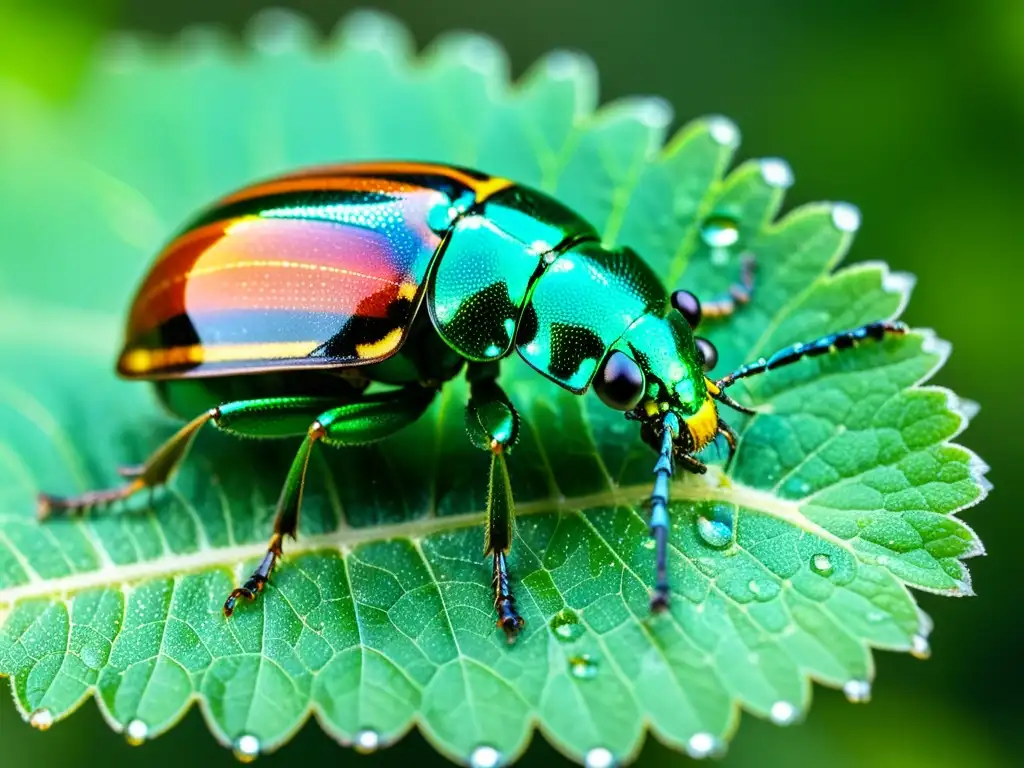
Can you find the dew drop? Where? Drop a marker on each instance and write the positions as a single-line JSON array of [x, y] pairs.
[[136, 732], [583, 667], [564, 65], [702, 745], [367, 30], [846, 217], [857, 691], [776, 173], [724, 131], [367, 741], [754, 587], [919, 647], [783, 713], [717, 530], [485, 757], [650, 543], [719, 231], [276, 30], [822, 565], [882, 560], [599, 757], [655, 112], [247, 748], [91, 657], [41, 719], [566, 625]]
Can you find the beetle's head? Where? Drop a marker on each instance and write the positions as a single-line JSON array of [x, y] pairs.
[[657, 367]]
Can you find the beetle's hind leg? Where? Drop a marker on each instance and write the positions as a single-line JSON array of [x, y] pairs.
[[364, 421], [154, 473], [493, 425]]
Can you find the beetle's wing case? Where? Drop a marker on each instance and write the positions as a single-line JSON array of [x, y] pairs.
[[582, 305], [318, 269], [481, 280]]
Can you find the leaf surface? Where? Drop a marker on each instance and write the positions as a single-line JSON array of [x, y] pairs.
[[793, 568]]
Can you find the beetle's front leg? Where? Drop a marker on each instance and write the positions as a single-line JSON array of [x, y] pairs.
[[493, 426], [659, 505]]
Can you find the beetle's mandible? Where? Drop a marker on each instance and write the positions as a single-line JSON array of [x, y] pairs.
[[273, 311]]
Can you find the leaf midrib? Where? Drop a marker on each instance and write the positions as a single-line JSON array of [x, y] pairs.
[[711, 487]]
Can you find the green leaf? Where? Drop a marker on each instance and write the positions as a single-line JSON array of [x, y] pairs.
[[792, 568]]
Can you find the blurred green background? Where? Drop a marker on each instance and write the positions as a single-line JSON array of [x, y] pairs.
[[913, 111]]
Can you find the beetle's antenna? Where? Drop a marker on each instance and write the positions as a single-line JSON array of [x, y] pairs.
[[659, 510], [833, 342]]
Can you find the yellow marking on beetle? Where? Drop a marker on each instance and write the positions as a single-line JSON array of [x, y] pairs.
[[382, 347], [713, 388], [408, 291], [486, 189], [142, 361], [703, 425], [651, 408]]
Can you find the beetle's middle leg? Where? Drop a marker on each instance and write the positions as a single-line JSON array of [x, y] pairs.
[[368, 420], [493, 425]]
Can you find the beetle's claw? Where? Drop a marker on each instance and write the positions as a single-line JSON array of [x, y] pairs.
[[232, 601], [131, 471], [509, 620], [659, 599], [44, 505]]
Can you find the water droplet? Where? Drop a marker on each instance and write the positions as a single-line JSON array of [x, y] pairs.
[[367, 741], [247, 748], [857, 691], [783, 713], [41, 719], [754, 587], [846, 217], [136, 732], [717, 530], [485, 757], [702, 745], [277, 30], [566, 625], [655, 112], [822, 565], [599, 757], [919, 647], [583, 667], [719, 232], [724, 131], [882, 560], [650, 543], [563, 65], [91, 657], [776, 172]]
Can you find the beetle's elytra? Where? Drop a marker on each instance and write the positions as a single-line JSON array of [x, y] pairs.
[[323, 281]]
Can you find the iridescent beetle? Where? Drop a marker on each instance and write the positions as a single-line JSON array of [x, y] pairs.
[[281, 303]]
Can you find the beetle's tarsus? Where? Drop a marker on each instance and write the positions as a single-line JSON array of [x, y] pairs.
[[659, 598]]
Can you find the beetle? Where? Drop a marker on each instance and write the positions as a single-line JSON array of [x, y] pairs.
[[284, 300]]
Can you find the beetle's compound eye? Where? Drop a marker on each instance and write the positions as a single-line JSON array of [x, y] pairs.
[[619, 382], [688, 305], [708, 353]]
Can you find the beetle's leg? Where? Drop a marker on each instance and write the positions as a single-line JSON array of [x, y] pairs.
[[739, 293], [266, 417], [493, 426], [659, 506], [726, 431], [830, 343], [364, 421]]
